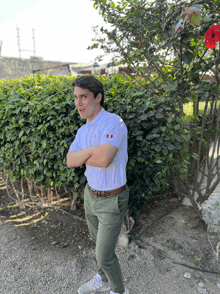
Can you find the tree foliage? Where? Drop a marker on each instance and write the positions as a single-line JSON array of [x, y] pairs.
[[145, 36]]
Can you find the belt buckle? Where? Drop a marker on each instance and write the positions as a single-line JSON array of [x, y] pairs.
[[99, 193]]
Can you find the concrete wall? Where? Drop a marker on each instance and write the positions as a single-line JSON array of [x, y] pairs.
[[15, 68]]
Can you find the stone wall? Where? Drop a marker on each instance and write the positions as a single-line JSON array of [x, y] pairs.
[[15, 68]]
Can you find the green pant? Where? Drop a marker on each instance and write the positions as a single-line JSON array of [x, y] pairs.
[[105, 217]]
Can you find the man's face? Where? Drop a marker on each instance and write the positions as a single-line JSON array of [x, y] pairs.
[[87, 105]]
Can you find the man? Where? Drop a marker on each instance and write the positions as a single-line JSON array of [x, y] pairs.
[[102, 145]]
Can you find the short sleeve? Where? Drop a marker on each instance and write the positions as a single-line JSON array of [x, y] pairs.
[[75, 146], [114, 132]]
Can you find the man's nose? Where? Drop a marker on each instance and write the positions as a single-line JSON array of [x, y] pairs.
[[79, 102]]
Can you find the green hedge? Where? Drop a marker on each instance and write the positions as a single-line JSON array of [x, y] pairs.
[[38, 122]]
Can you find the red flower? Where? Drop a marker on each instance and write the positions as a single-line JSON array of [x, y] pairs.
[[212, 36], [179, 30]]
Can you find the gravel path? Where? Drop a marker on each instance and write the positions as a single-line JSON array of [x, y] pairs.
[[29, 268]]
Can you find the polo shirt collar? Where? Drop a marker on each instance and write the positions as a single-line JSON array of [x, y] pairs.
[[97, 119]]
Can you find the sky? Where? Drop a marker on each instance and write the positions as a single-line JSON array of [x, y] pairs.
[[62, 28]]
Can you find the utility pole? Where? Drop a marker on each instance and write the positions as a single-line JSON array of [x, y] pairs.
[[33, 36], [19, 43], [0, 48]]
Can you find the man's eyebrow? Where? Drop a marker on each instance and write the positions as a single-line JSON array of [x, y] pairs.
[[81, 95]]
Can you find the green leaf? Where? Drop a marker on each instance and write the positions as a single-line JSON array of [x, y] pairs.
[[208, 17], [151, 113], [178, 146], [197, 258], [143, 117], [40, 179], [159, 115], [195, 156], [188, 57], [150, 104], [193, 42], [75, 195], [131, 115], [165, 151], [44, 143], [23, 138], [171, 146], [112, 4], [21, 121], [195, 20], [63, 245], [157, 148], [21, 133]]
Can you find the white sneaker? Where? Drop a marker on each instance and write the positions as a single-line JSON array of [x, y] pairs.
[[94, 285], [126, 292]]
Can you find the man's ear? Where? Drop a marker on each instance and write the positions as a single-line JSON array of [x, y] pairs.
[[99, 97]]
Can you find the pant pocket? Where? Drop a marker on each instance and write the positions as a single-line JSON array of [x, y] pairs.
[[123, 198]]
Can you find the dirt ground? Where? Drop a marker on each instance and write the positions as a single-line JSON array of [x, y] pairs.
[[58, 226], [48, 226], [180, 231]]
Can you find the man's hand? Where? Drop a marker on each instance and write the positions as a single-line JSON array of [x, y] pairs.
[[102, 156], [95, 160], [75, 159], [95, 151]]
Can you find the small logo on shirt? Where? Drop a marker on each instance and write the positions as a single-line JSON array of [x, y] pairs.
[[109, 135], [94, 136]]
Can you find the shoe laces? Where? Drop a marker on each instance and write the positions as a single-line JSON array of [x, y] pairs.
[[95, 280]]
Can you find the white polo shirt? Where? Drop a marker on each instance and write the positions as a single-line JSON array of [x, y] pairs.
[[106, 128]]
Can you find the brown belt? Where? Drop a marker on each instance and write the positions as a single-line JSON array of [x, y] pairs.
[[107, 193]]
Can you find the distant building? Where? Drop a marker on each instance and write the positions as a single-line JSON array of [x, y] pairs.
[[15, 68]]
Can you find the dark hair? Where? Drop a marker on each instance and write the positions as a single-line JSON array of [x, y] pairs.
[[92, 84]]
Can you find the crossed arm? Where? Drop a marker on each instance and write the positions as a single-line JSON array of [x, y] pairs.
[[99, 156]]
